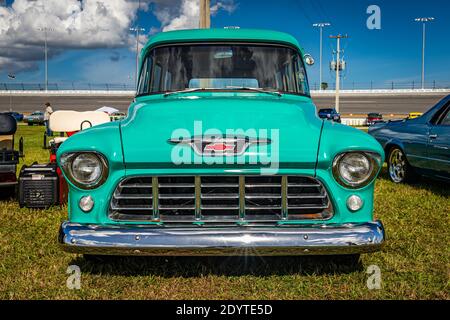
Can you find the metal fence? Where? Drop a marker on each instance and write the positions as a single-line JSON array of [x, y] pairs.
[[345, 85], [388, 85], [60, 86]]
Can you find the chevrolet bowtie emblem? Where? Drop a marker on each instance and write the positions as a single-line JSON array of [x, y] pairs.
[[219, 145]]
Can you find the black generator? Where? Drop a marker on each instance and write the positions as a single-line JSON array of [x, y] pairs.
[[38, 186]]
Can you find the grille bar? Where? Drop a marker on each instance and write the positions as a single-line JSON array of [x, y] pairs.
[[284, 197], [220, 199], [198, 198], [155, 198]]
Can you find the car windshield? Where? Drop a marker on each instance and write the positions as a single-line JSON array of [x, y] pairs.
[[326, 110], [223, 67]]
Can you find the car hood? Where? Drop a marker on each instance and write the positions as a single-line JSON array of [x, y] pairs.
[[291, 125]]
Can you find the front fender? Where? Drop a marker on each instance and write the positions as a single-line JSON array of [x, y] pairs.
[[337, 138], [106, 140]]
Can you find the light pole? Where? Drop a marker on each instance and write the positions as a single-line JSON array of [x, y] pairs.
[[424, 21], [46, 30], [137, 29], [205, 14], [339, 66], [11, 77], [321, 25]]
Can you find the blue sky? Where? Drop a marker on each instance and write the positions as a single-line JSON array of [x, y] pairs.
[[390, 54]]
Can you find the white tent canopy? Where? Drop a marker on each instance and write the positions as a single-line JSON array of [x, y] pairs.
[[108, 110]]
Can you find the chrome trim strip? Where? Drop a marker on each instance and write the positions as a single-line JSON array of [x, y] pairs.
[[284, 197], [256, 202], [231, 241], [198, 198], [242, 197], [155, 196], [66, 160], [375, 166]]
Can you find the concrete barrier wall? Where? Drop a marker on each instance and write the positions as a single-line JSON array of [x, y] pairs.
[[131, 93], [355, 122]]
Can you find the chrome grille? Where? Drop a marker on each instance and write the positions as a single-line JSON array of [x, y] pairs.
[[220, 198]]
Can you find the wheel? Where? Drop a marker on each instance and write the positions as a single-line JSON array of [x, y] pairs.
[[29, 123], [399, 169]]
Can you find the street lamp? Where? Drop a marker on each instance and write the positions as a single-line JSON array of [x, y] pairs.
[[424, 21], [321, 25], [46, 30]]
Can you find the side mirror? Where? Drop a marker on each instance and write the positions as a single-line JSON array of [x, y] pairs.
[[21, 147], [309, 60]]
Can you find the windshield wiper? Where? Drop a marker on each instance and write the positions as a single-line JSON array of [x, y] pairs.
[[276, 93], [183, 91]]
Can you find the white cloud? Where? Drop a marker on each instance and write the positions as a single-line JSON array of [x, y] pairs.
[[184, 14], [85, 24], [71, 24]]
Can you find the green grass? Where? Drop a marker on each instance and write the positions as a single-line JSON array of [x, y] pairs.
[[414, 263]]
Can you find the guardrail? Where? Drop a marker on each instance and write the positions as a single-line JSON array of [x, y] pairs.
[[15, 85], [384, 85], [132, 92], [65, 86]]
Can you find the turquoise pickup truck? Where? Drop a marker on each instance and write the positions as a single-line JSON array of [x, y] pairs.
[[222, 153]]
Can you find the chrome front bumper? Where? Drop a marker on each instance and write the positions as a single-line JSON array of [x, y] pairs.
[[230, 241]]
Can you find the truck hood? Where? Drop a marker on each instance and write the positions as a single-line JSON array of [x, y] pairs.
[[289, 125]]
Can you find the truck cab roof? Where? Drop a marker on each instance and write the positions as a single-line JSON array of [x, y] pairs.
[[222, 35]]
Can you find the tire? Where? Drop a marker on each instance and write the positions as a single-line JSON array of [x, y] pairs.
[[399, 169], [29, 123]]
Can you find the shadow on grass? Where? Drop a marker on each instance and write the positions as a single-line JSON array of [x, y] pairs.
[[222, 266], [423, 183], [8, 194]]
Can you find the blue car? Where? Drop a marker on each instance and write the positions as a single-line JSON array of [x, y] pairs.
[[16, 115], [330, 114], [419, 146]]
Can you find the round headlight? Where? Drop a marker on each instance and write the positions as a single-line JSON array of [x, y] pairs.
[[355, 169], [86, 170]]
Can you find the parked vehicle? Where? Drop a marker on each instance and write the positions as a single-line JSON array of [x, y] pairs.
[[413, 115], [116, 116], [16, 115], [330, 114], [36, 117], [43, 185], [373, 118], [417, 146], [9, 157], [163, 182]]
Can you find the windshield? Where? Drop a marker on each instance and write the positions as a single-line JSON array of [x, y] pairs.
[[223, 67]]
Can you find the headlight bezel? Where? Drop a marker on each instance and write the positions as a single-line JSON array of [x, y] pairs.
[[374, 162], [66, 161]]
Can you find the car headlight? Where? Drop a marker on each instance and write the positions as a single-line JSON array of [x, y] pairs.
[[86, 170], [356, 169]]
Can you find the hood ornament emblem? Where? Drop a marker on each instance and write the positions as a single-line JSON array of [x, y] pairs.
[[210, 145]]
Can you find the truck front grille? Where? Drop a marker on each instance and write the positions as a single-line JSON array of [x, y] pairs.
[[220, 199]]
